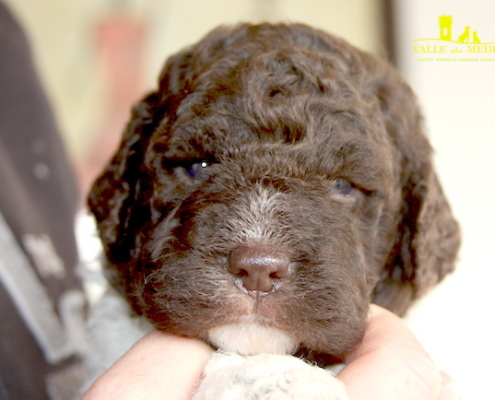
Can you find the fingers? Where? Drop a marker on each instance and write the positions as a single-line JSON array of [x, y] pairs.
[[390, 363], [159, 366]]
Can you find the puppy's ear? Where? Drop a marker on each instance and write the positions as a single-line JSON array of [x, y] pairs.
[[118, 190], [120, 197], [428, 236]]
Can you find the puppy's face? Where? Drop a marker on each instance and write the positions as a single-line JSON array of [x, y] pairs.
[[258, 195], [285, 233]]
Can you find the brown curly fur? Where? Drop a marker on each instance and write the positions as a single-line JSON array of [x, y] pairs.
[[280, 113]]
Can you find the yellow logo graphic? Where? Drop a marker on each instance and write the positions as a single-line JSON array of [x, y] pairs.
[[445, 22], [449, 46]]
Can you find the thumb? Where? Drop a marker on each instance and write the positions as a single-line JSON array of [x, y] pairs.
[[390, 363]]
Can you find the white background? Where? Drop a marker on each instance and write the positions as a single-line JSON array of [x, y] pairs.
[[456, 321]]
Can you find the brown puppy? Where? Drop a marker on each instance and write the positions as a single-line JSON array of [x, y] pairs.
[[276, 182]]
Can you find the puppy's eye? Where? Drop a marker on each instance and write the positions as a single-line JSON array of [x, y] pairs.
[[343, 187], [196, 170]]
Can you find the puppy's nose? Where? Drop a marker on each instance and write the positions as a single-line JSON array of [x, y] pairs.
[[260, 268]]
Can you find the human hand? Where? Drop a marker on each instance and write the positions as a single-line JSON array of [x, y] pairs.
[[390, 364], [159, 366]]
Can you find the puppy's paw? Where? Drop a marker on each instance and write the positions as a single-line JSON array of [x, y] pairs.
[[303, 382], [267, 377]]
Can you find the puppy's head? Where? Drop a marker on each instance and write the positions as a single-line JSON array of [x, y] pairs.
[[274, 184]]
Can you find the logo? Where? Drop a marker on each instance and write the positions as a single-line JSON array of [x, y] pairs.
[[465, 44]]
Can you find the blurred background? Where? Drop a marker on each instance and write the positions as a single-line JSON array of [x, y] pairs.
[[97, 57]]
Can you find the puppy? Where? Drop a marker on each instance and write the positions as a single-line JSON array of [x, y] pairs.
[[275, 184]]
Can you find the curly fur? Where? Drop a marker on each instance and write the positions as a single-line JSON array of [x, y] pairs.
[[269, 119]]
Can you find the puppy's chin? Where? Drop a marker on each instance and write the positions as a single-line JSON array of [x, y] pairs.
[[250, 338]]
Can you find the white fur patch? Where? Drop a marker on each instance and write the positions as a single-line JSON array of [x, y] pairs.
[[266, 377], [256, 218], [250, 338]]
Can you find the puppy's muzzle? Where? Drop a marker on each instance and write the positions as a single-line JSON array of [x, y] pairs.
[[259, 270]]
